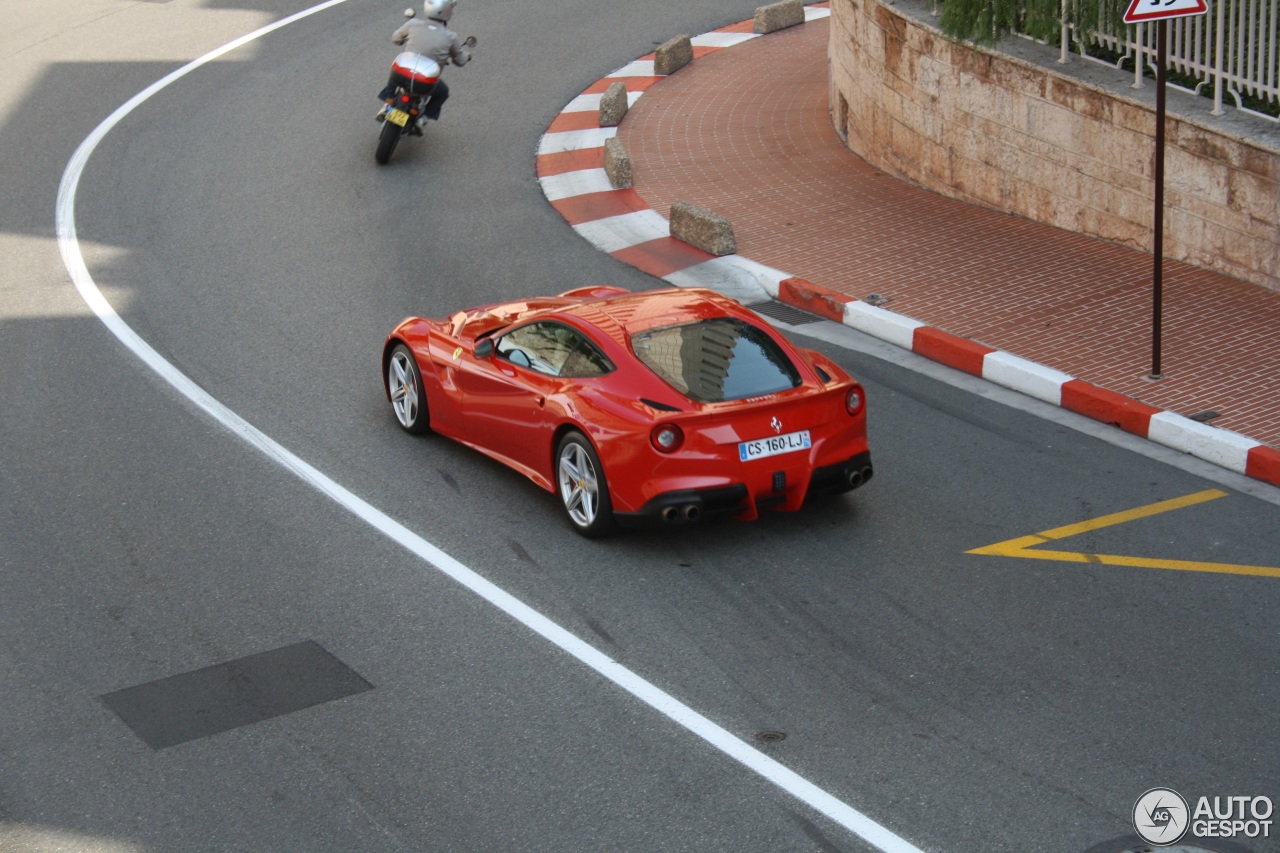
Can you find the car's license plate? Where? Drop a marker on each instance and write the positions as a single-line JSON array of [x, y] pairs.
[[778, 444], [398, 117]]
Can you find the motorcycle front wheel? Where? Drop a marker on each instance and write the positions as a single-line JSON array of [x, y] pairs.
[[386, 142]]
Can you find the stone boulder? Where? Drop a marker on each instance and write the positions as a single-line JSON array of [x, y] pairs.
[[613, 105], [674, 54], [617, 165], [699, 227], [778, 16]]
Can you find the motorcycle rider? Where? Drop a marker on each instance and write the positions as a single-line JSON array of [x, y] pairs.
[[431, 38]]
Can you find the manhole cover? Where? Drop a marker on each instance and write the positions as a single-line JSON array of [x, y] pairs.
[[194, 705]]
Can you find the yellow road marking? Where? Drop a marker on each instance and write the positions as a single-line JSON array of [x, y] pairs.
[[1024, 546]]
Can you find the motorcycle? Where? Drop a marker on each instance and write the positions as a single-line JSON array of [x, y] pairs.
[[415, 77]]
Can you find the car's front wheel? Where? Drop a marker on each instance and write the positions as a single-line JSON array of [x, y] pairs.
[[404, 387], [580, 481]]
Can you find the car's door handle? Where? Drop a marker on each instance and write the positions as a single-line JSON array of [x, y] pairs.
[[540, 400]]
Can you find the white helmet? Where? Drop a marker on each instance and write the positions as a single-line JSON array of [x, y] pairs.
[[439, 10]]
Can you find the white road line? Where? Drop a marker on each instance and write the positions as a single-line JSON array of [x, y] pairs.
[[1032, 379], [722, 40], [575, 140], [625, 230], [651, 695], [570, 184], [636, 68], [591, 103]]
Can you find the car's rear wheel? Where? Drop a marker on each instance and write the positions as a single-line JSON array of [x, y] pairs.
[[404, 387], [580, 482]]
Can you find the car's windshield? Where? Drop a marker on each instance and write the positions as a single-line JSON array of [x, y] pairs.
[[713, 361]]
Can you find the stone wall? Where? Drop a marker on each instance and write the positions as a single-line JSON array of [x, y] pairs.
[[1007, 133]]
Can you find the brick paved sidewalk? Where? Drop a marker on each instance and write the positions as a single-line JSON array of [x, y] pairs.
[[746, 133]]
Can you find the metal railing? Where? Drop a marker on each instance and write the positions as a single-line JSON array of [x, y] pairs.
[[1233, 48]]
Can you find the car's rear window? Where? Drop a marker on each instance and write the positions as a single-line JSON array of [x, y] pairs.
[[713, 361]]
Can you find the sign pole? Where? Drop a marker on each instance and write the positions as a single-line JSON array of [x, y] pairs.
[[1160, 11], [1157, 273]]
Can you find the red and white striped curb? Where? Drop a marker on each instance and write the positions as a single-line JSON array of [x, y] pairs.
[[570, 167]]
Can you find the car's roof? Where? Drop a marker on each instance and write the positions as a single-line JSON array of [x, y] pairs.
[[616, 313], [631, 313]]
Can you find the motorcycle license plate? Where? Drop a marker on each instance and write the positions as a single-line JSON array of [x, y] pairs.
[[398, 117]]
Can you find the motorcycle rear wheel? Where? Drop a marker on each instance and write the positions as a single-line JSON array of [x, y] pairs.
[[386, 142]]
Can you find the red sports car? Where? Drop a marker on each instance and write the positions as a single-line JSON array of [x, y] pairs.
[[661, 407]]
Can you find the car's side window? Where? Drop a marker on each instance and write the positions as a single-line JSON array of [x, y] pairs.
[[585, 361], [553, 349]]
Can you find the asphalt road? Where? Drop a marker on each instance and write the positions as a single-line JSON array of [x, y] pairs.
[[237, 221]]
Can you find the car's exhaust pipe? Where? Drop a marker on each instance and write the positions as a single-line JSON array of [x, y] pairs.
[[670, 513], [692, 512], [855, 478]]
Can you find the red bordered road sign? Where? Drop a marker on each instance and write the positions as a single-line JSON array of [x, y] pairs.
[[1153, 10]]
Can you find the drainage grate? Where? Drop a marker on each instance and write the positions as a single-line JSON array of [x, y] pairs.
[[784, 313]]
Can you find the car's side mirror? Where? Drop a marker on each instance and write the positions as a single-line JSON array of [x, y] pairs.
[[484, 349]]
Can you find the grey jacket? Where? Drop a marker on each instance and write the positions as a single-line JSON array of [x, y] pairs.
[[433, 39]]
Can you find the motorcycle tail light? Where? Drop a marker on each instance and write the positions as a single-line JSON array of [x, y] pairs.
[[854, 400], [666, 438], [404, 99]]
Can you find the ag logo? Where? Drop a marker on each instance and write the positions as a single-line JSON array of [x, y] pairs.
[[1160, 816]]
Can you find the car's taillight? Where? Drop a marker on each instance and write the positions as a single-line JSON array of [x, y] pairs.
[[854, 400], [666, 437]]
